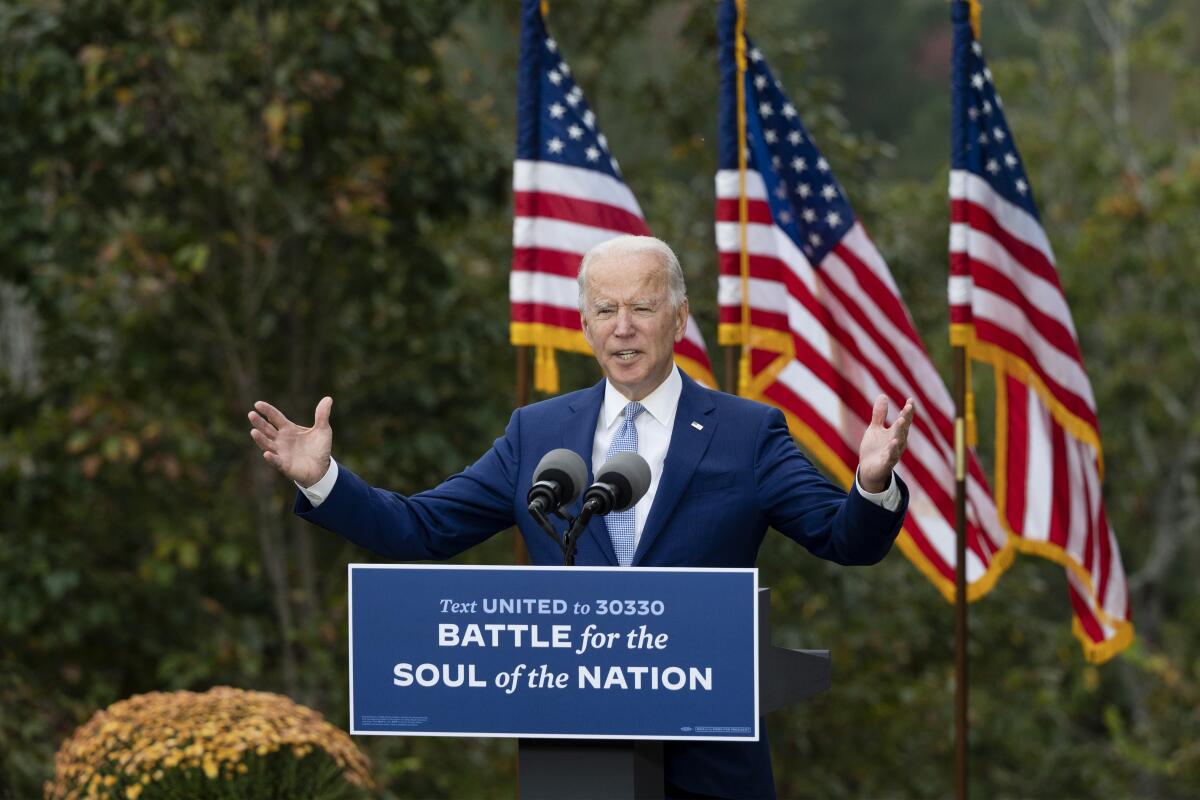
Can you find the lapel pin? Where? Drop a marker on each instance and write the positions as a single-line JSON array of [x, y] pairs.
[[697, 425]]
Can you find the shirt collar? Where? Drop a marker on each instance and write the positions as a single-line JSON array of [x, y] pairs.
[[659, 404]]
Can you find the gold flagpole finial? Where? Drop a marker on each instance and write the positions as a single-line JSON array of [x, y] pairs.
[[976, 17]]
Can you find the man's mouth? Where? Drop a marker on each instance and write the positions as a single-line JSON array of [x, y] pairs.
[[626, 355]]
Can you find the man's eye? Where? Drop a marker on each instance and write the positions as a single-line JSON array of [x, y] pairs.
[[604, 313], [644, 311]]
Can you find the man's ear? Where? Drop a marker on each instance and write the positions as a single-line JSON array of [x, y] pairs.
[[681, 318]]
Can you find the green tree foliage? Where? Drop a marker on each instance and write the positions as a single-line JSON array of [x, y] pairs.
[[205, 205]]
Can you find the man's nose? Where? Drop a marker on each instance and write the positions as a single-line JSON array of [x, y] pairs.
[[624, 322]]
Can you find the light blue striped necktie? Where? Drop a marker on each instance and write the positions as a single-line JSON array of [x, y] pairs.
[[622, 525]]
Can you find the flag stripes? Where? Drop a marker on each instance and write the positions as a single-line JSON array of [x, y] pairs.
[[1002, 288]]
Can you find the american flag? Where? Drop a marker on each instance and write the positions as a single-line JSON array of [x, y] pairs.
[[568, 195], [1007, 307], [828, 328]]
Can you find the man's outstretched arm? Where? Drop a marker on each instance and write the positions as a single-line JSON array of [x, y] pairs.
[[463, 511]]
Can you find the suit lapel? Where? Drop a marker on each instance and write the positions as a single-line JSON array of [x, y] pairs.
[[579, 434], [687, 447]]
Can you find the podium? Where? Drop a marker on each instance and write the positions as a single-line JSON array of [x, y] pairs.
[[584, 769], [592, 669]]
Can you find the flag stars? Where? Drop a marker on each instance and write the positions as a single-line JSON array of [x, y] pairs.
[[977, 48], [564, 68], [555, 77], [616, 167], [1022, 186], [760, 82], [815, 239], [555, 145], [756, 55], [973, 113], [551, 45], [983, 138], [592, 153], [993, 166], [987, 74], [589, 118], [789, 110], [574, 96], [765, 110], [785, 218], [799, 164], [795, 137], [770, 135], [822, 164], [776, 162], [833, 219], [804, 190], [977, 80], [1010, 160], [781, 191], [603, 140], [557, 111], [987, 107], [829, 191], [809, 215], [575, 131], [998, 132]]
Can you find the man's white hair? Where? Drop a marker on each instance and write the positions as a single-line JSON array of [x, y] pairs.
[[624, 246]]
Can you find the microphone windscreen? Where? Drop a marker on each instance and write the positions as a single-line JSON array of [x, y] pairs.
[[566, 468], [626, 470]]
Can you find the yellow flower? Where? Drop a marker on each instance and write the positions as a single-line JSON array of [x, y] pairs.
[[159, 735]]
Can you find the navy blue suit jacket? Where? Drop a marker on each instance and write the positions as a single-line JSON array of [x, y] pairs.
[[723, 484]]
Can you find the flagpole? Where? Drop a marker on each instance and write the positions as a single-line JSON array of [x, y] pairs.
[[961, 377], [520, 553], [743, 383], [964, 419]]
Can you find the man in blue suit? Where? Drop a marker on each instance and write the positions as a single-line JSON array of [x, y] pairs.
[[723, 470]]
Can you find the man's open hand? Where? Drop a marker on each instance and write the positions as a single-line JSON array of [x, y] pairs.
[[882, 445], [301, 454]]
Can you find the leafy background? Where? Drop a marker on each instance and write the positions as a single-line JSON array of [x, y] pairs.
[[204, 204]]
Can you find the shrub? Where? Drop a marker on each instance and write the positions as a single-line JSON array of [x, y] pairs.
[[224, 743]]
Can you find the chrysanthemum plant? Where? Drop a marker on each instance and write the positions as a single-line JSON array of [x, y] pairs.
[[223, 744]]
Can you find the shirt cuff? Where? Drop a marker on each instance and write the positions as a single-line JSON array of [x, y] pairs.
[[317, 493], [889, 498]]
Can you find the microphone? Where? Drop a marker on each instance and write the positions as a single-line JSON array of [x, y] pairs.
[[557, 480], [620, 483]]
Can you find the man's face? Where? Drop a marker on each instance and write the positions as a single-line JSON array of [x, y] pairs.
[[629, 323]]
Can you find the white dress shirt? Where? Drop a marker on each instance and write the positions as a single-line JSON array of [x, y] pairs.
[[654, 428]]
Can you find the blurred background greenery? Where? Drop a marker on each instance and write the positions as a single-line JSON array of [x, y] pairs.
[[205, 204]]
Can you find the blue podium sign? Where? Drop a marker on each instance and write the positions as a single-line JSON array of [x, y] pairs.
[[562, 652]]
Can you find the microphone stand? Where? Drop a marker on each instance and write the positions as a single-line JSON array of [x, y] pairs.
[[578, 524], [568, 542]]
